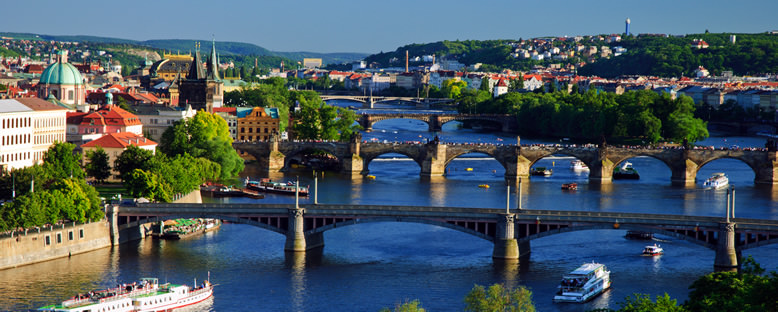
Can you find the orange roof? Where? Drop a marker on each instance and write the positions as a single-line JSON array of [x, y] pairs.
[[119, 140], [229, 110], [111, 115]]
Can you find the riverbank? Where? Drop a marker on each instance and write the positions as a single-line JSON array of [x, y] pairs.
[[52, 242]]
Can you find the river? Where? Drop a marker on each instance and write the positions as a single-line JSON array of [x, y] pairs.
[[369, 266]]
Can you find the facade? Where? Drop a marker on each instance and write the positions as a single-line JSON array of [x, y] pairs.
[[202, 88], [501, 88], [29, 127], [170, 66], [312, 62], [114, 144], [259, 125], [62, 81], [157, 118], [85, 127]]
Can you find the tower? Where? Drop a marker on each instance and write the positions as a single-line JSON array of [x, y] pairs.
[[202, 88], [626, 33]]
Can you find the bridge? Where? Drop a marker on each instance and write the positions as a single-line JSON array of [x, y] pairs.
[[369, 100], [510, 232], [433, 157], [507, 123]]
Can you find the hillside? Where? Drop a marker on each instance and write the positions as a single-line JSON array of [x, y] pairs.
[[184, 45]]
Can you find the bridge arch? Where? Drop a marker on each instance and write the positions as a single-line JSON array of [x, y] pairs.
[[229, 218], [289, 155], [568, 229], [418, 220], [749, 164], [369, 157], [667, 162]]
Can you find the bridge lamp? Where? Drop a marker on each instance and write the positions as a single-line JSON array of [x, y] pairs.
[[697, 227], [537, 220], [616, 224]]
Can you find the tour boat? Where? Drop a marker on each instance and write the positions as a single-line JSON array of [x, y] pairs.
[[578, 165], [716, 181], [626, 172], [653, 250], [144, 296], [483, 185], [468, 169], [587, 281], [370, 177], [570, 186], [266, 185], [541, 171]]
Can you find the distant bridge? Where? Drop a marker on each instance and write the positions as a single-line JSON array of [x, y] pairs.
[[510, 232], [507, 123], [369, 100]]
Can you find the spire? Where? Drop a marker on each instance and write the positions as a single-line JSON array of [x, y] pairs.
[[196, 70], [213, 63]]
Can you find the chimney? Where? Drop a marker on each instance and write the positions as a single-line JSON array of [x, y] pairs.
[[406, 61]]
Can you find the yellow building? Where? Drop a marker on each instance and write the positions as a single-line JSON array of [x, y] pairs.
[[258, 125], [312, 62], [171, 65]]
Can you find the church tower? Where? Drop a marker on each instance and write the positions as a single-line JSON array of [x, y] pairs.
[[202, 88]]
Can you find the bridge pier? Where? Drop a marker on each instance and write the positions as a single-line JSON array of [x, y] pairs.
[[726, 254], [601, 171], [685, 174], [112, 214], [506, 247], [296, 239], [434, 164], [435, 123], [768, 173], [517, 169]]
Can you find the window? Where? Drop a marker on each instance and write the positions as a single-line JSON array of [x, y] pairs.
[[70, 235], [59, 238], [81, 233], [47, 240]]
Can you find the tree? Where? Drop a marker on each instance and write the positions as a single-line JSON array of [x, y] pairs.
[[643, 303], [132, 158], [412, 306], [61, 161], [98, 166], [498, 298], [142, 183]]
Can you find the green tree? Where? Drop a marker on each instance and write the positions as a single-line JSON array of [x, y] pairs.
[[142, 183], [643, 303], [498, 298], [61, 161], [132, 158], [98, 166], [412, 306]]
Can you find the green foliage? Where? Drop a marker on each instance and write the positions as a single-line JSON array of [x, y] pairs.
[[268, 93], [318, 121], [498, 298], [643, 303], [98, 166], [144, 183], [205, 135], [412, 306], [68, 199], [132, 158], [61, 161]]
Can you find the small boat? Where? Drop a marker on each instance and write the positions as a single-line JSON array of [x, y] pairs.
[[639, 235], [370, 177], [483, 185], [142, 296], [584, 283], [570, 186], [716, 181], [626, 172], [183, 228], [541, 171], [266, 185], [577, 165], [653, 250], [468, 169]]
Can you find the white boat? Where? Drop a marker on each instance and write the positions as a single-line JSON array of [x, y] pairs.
[[578, 165], [144, 296], [654, 250], [585, 282], [716, 181]]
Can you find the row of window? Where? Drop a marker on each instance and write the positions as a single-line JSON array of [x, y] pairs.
[[47, 238], [49, 138], [16, 139], [251, 130], [16, 122], [254, 138], [9, 140], [49, 122], [11, 157]]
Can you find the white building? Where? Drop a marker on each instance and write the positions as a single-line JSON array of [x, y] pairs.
[[157, 118], [29, 127]]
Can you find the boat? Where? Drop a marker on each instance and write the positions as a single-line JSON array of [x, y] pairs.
[[468, 169], [584, 283], [716, 181], [219, 190], [625, 172], [570, 186], [266, 185], [639, 235], [142, 296], [483, 185], [653, 250], [577, 165], [370, 177], [541, 171], [183, 228]]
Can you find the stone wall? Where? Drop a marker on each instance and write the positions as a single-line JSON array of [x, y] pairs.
[[38, 245]]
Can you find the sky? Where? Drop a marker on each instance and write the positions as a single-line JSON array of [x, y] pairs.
[[372, 26]]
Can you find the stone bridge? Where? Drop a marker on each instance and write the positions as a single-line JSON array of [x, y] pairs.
[[369, 100], [510, 232], [507, 123], [433, 157]]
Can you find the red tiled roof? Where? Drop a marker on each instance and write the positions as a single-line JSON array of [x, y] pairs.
[[111, 115], [119, 140]]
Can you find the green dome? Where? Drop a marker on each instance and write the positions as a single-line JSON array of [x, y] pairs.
[[61, 74]]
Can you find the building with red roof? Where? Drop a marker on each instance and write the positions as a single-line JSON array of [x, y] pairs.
[[114, 145]]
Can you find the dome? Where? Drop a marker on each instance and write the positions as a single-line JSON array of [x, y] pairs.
[[61, 74]]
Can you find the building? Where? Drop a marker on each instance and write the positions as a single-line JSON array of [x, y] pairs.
[[312, 62], [85, 127], [501, 88], [258, 125], [62, 81], [202, 88], [114, 144], [157, 118], [170, 66], [29, 127]]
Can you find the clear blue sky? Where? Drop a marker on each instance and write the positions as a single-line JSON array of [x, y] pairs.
[[371, 26]]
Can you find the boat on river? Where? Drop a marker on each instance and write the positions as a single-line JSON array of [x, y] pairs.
[[143, 296], [583, 284], [626, 172], [570, 186], [268, 186], [219, 191], [653, 250], [639, 235], [183, 228], [541, 171], [716, 181], [577, 165]]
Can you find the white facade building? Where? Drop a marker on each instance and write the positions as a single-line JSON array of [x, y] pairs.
[[29, 127]]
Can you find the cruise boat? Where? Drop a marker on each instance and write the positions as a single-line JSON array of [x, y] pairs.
[[144, 296], [653, 250], [626, 172], [541, 171], [584, 283], [578, 165], [570, 186], [716, 181], [266, 185]]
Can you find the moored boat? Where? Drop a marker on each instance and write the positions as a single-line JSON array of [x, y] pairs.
[[582, 284], [541, 171], [483, 185], [577, 165], [143, 296], [266, 185], [570, 186], [653, 250], [626, 172], [716, 181], [639, 235]]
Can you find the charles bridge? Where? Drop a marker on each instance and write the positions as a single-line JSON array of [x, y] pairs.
[[433, 157], [369, 100], [509, 231], [507, 123]]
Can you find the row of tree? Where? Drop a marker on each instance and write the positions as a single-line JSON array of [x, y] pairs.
[[591, 115]]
